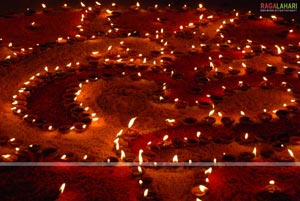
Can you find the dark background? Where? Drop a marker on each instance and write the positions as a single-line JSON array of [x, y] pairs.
[[12, 6]]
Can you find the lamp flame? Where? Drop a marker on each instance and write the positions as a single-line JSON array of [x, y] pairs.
[[203, 188], [62, 188], [208, 171], [119, 133], [175, 159], [131, 122], [140, 156], [165, 137], [291, 153]]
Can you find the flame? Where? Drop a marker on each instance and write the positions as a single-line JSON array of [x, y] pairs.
[[97, 3], [211, 65], [246, 136], [85, 157], [165, 137], [63, 157], [131, 122], [291, 153], [6, 156], [203, 188], [211, 113], [140, 169], [44, 5], [117, 145], [175, 159], [220, 114], [201, 17], [271, 182], [82, 4], [62, 188], [242, 113], [198, 134], [140, 156], [119, 133], [200, 5], [109, 11], [137, 4], [208, 171], [254, 151], [170, 120], [123, 155], [146, 191], [278, 49], [273, 17]]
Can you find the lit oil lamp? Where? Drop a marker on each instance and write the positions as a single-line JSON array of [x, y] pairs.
[[29, 12], [246, 139], [61, 41], [265, 117], [171, 122], [283, 157], [201, 8], [271, 69], [265, 84], [180, 104], [33, 26], [233, 71], [138, 172], [209, 120], [272, 187], [242, 86], [244, 119], [45, 8], [165, 144], [14, 142], [131, 133], [149, 195], [199, 191], [9, 158], [65, 7], [95, 55], [135, 7], [277, 20]]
